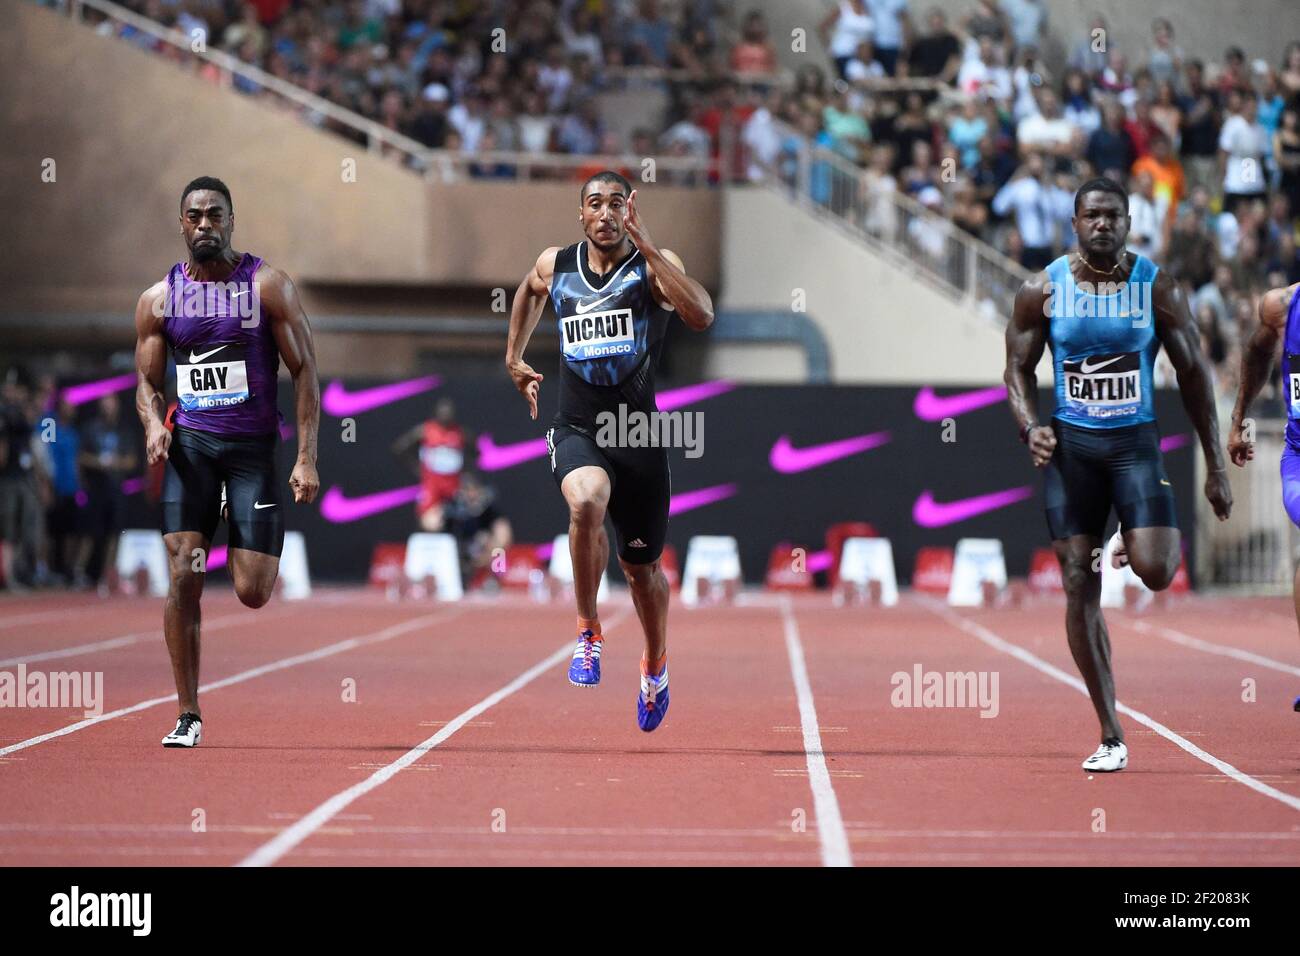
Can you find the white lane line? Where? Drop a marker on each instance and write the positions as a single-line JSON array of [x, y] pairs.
[[1186, 640], [112, 643], [1036, 662], [288, 838], [830, 825], [62, 613], [321, 652]]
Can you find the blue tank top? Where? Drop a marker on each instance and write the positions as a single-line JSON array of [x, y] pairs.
[[1291, 372], [1103, 347], [226, 357]]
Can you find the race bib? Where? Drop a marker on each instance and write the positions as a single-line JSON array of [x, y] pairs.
[[211, 376], [1294, 383], [442, 459], [598, 335], [1105, 386]]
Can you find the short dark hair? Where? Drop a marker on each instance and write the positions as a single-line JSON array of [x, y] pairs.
[[208, 182], [606, 176], [1102, 184]]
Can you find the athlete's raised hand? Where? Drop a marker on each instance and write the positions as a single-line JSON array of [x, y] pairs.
[[636, 230], [157, 442], [1042, 443], [1239, 450], [1219, 493], [528, 381], [304, 481]]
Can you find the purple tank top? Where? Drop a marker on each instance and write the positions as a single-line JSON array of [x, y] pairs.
[[226, 357]]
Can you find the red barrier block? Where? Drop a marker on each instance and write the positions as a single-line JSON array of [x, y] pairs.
[[836, 535], [387, 562], [521, 561], [1045, 572], [933, 571], [782, 572], [671, 569]]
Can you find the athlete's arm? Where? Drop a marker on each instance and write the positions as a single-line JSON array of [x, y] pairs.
[[672, 287], [292, 334], [525, 312], [1026, 338], [1182, 342], [151, 372], [1256, 363]]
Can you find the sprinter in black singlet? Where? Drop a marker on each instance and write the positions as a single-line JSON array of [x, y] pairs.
[[613, 295]]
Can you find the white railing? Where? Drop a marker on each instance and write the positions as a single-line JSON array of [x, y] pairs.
[[437, 165], [1253, 550], [931, 245]]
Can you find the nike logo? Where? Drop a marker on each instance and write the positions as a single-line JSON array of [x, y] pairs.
[[80, 394], [929, 513], [588, 306], [338, 508], [788, 460], [340, 403], [690, 500], [494, 457], [194, 359], [1086, 369], [930, 407], [236, 295], [258, 506]]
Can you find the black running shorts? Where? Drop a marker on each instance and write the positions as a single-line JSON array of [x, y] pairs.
[[640, 488], [198, 462]]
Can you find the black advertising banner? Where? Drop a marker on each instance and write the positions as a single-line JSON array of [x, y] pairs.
[[765, 463]]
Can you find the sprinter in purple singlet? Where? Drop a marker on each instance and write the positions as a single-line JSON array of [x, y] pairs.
[[226, 319], [1279, 319]]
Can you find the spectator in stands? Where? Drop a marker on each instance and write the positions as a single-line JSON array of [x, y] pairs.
[[648, 36], [1200, 128], [937, 54], [848, 129], [581, 132], [864, 69], [1025, 197], [1028, 21], [1078, 107], [68, 544], [1286, 157], [754, 53], [473, 517], [1242, 146], [1164, 59], [107, 457], [1048, 131], [1234, 78], [1216, 295], [965, 131], [1190, 254], [879, 186], [20, 507], [1090, 51], [1165, 171], [845, 27], [1146, 217], [892, 31], [1290, 72], [983, 72]]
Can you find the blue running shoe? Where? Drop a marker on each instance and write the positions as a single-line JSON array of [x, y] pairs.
[[652, 701], [584, 669]]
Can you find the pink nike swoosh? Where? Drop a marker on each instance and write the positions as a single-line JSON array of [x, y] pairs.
[[1170, 442], [820, 561], [217, 557], [690, 394], [929, 513], [339, 402], [80, 394], [690, 500], [787, 459], [930, 407], [340, 509], [494, 457]]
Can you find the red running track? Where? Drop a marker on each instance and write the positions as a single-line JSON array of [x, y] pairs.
[[465, 744]]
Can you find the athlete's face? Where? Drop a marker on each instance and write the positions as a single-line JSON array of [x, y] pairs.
[[1101, 224], [206, 224], [603, 208]]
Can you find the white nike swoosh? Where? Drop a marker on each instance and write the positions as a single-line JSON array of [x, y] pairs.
[[1083, 367], [236, 295], [587, 307], [259, 506], [199, 358]]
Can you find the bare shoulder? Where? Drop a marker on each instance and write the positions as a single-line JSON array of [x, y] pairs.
[[1032, 295], [546, 262], [1276, 305], [150, 307]]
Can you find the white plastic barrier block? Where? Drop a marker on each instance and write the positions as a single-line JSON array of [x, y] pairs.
[[137, 549], [1115, 581], [293, 567], [978, 560], [436, 556], [711, 558], [560, 570], [864, 560]]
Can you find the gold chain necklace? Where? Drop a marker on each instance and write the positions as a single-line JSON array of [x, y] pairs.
[[1100, 272]]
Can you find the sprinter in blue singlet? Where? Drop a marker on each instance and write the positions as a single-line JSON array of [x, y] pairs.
[[613, 294], [1279, 318], [1105, 313]]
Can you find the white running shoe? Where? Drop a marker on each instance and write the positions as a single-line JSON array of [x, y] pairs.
[[1108, 758], [188, 732]]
